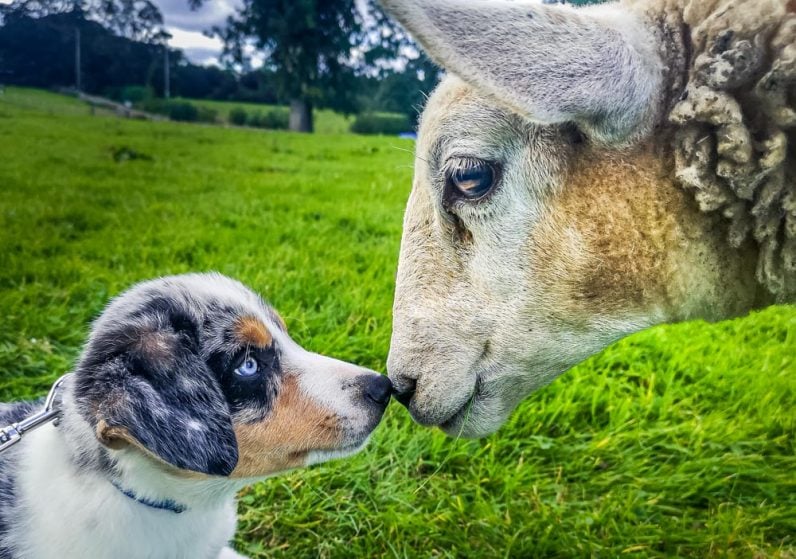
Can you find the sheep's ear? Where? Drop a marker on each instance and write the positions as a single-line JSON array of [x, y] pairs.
[[155, 393], [597, 67]]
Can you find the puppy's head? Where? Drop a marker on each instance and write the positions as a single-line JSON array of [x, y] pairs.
[[196, 371]]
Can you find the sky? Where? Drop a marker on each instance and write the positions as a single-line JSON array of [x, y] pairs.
[[186, 27]]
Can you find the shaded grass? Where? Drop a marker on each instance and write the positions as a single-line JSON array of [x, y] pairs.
[[678, 441]]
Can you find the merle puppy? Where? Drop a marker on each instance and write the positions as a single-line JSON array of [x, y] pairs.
[[188, 389]]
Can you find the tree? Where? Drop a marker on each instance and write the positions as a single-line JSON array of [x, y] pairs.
[[405, 91], [403, 87], [139, 20], [307, 44], [39, 52]]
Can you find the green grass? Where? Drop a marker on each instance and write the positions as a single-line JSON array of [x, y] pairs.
[[23, 100], [327, 122], [678, 441]]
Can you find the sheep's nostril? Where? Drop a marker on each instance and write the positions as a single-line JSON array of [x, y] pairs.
[[378, 389], [405, 396]]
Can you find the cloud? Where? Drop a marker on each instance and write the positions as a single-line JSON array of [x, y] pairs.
[[198, 48], [187, 26], [176, 13], [203, 57]]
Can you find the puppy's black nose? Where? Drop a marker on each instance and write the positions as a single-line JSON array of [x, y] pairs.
[[378, 389], [404, 396]]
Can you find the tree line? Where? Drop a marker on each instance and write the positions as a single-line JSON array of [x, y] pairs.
[[307, 46], [345, 55]]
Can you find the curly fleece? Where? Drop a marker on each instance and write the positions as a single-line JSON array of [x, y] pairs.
[[735, 126]]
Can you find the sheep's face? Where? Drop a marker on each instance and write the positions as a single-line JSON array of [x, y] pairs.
[[522, 251], [504, 280], [544, 222]]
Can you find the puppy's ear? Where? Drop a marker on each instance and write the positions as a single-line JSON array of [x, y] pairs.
[[156, 393]]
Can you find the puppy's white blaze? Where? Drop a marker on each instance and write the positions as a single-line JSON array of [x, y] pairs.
[[324, 379], [215, 287]]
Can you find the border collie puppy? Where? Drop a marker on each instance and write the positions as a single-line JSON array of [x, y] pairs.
[[188, 388]]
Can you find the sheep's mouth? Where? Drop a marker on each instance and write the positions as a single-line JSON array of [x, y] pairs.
[[465, 420], [422, 409], [457, 424], [482, 414]]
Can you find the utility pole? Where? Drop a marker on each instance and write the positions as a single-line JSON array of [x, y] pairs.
[[78, 77], [166, 81]]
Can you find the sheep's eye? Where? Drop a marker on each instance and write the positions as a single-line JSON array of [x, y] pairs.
[[470, 178], [248, 368]]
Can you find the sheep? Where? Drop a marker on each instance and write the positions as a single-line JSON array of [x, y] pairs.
[[735, 125], [582, 174]]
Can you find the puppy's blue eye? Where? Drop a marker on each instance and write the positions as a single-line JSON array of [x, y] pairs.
[[470, 178], [248, 368]]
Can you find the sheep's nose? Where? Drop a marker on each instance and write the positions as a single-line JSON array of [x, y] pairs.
[[378, 389], [403, 374], [406, 391]]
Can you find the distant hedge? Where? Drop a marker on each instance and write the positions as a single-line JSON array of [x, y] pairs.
[[273, 120], [182, 111], [238, 116], [372, 123]]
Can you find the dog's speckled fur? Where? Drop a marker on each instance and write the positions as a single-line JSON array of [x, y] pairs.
[[155, 407]]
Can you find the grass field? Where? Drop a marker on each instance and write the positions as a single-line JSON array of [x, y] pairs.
[[678, 441]]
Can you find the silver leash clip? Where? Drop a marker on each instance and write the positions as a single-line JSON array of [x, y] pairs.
[[11, 435]]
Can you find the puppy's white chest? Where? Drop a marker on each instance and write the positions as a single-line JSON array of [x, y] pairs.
[[88, 517], [88, 534]]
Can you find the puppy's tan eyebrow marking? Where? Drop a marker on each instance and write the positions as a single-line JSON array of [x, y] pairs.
[[252, 331]]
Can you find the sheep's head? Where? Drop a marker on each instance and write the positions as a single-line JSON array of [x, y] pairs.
[[545, 221]]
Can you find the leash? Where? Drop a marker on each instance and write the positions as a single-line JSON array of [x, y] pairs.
[[11, 435]]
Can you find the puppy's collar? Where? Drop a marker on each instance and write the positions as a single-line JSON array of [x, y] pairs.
[[165, 504]]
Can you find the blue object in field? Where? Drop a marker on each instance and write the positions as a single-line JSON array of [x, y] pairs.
[[408, 135]]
